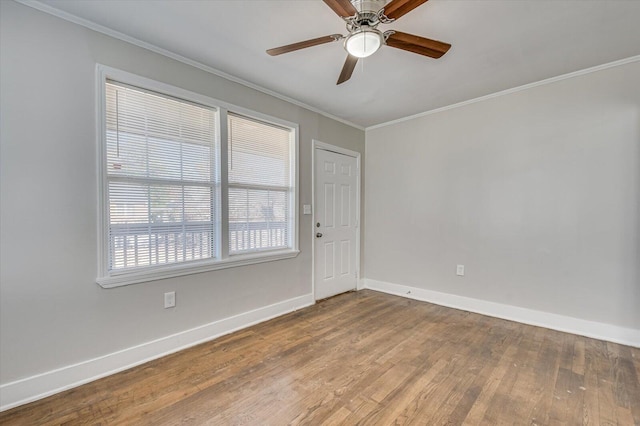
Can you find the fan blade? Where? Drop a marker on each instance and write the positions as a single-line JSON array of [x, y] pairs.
[[417, 44], [397, 8], [347, 69], [342, 8], [303, 44]]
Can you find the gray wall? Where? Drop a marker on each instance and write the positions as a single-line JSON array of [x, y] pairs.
[[536, 192], [52, 313]]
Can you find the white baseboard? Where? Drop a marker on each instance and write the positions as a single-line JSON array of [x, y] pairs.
[[596, 330], [42, 385]]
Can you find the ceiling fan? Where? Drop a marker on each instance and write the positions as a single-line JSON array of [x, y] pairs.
[[362, 18]]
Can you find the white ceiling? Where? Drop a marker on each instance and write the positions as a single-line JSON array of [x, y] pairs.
[[497, 45]]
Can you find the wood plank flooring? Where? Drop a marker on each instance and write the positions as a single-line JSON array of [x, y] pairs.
[[371, 359]]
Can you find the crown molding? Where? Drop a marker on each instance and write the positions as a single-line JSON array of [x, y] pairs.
[[510, 91], [35, 4]]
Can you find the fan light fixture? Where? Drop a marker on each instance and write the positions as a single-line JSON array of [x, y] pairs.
[[363, 39], [363, 43]]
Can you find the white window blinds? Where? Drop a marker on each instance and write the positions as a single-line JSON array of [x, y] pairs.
[[260, 185], [161, 178]]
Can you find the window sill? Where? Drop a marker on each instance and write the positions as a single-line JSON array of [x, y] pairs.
[[159, 273]]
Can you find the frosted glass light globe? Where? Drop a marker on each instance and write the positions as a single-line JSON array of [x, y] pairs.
[[363, 43]]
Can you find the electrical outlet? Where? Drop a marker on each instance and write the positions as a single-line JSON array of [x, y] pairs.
[[460, 270], [170, 299]]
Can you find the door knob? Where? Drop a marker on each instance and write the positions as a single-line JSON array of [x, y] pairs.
[[319, 234]]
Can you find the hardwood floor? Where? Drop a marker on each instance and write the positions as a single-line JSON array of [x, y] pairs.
[[367, 358]]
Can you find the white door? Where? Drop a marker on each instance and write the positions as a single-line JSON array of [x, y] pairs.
[[336, 223]]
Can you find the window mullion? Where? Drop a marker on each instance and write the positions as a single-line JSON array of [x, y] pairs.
[[224, 185], [214, 240], [184, 210]]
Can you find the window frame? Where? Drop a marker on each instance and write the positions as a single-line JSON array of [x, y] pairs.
[[256, 186], [223, 259]]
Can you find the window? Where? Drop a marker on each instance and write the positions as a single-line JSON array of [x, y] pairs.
[[160, 179], [163, 181], [259, 185]]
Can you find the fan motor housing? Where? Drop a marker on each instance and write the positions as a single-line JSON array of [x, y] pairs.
[[368, 13], [365, 7]]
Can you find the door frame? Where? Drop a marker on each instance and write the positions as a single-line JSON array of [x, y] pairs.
[[316, 144]]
